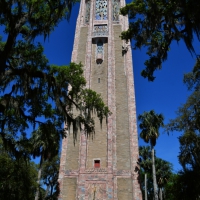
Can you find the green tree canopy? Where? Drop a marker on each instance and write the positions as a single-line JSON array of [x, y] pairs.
[[188, 114], [17, 177], [150, 122], [34, 93], [155, 24], [187, 122], [163, 171]]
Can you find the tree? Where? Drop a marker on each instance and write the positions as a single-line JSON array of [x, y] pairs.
[[188, 114], [145, 165], [163, 172], [173, 188], [187, 121], [150, 124], [45, 144], [189, 158], [50, 174], [182, 186], [34, 93], [155, 24], [17, 177]]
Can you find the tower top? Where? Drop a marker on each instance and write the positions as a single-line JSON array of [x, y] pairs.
[[101, 11]]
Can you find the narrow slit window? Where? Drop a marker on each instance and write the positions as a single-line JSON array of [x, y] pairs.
[[98, 80], [96, 163]]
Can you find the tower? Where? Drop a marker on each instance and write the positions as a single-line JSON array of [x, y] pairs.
[[105, 167]]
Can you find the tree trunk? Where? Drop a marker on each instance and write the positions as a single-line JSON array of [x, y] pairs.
[[38, 180], [154, 175], [145, 185], [160, 194]]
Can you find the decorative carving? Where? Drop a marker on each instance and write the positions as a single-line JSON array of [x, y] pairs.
[[101, 10], [96, 170], [97, 191], [100, 30], [116, 7], [87, 11]]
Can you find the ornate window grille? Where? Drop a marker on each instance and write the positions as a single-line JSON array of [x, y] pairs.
[[101, 10]]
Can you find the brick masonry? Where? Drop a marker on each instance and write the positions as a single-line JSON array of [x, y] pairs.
[[115, 144]]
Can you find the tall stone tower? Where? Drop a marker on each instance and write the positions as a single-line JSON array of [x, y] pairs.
[[105, 167]]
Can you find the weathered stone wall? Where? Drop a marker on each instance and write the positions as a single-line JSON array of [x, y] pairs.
[[82, 45], [122, 119], [72, 155], [72, 158], [97, 147], [124, 189], [69, 185]]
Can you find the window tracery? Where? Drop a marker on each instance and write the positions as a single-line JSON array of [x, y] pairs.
[[101, 10]]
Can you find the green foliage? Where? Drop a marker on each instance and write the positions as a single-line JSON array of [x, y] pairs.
[[155, 24], [163, 171], [17, 177], [173, 188], [189, 156], [34, 93], [184, 185], [187, 121], [150, 124], [50, 172]]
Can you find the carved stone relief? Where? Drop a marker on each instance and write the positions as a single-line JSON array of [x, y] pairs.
[[100, 30], [116, 7], [96, 191]]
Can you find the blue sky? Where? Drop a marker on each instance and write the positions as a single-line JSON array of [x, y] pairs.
[[164, 95]]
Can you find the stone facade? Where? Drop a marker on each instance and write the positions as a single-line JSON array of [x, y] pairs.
[[114, 147]]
